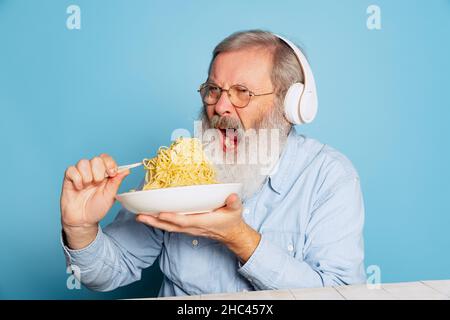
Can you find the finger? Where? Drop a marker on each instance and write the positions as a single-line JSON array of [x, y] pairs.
[[233, 202], [157, 223], [84, 168], [110, 164], [177, 219], [185, 221], [98, 169], [74, 177], [114, 183]]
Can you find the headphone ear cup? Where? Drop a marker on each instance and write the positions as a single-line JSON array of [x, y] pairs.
[[292, 103]]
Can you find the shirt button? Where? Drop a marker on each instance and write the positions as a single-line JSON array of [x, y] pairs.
[[195, 242], [290, 247], [246, 211]]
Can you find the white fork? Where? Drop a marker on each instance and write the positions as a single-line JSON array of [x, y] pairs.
[[127, 166]]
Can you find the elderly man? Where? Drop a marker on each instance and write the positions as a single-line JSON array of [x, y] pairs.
[[297, 226]]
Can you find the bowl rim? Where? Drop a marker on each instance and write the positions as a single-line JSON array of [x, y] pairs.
[[140, 192]]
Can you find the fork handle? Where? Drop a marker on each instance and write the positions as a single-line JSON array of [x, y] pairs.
[[129, 166], [125, 167]]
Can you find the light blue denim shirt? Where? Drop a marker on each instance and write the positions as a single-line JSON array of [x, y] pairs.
[[310, 214]]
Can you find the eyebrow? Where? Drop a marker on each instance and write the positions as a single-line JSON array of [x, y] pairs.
[[209, 80]]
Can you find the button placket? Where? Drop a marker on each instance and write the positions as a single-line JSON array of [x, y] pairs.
[[247, 216]]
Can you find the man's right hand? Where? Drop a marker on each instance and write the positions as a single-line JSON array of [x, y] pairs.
[[88, 192]]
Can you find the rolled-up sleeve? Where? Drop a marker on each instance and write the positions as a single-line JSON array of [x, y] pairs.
[[333, 251], [117, 255]]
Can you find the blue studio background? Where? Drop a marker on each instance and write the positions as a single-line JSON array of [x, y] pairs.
[[129, 76]]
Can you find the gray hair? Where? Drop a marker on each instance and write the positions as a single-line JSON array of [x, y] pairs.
[[286, 69]]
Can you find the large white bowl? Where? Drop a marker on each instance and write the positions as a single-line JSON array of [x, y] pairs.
[[185, 200]]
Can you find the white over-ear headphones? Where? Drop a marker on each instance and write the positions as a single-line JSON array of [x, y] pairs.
[[300, 101]]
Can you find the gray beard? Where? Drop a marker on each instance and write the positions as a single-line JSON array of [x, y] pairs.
[[253, 175], [249, 175]]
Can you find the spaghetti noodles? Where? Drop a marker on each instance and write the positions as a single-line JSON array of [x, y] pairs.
[[181, 164]]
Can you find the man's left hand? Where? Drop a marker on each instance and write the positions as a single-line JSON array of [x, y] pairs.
[[224, 224]]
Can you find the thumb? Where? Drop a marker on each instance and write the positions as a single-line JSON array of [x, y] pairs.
[[233, 202], [114, 183]]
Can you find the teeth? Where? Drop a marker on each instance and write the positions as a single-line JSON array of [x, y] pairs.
[[227, 142]]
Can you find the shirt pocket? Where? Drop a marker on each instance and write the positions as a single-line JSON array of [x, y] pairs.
[[290, 242]]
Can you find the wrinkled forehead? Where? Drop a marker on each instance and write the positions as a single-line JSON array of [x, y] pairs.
[[250, 67]]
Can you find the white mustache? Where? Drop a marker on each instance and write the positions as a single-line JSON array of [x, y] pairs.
[[225, 123]]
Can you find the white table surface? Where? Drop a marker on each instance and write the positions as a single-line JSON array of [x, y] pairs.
[[426, 290]]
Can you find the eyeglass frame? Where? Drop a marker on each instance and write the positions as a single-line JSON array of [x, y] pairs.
[[250, 93]]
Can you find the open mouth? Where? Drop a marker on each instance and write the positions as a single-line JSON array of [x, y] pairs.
[[228, 139]]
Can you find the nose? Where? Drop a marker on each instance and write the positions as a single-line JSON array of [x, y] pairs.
[[224, 105]]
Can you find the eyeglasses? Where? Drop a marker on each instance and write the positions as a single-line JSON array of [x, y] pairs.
[[239, 95]]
